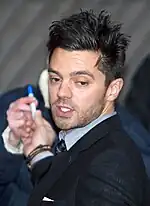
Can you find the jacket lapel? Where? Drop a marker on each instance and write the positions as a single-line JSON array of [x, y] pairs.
[[61, 162]]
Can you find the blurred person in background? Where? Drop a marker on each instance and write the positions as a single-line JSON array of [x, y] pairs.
[[137, 102], [138, 98], [15, 184], [15, 180]]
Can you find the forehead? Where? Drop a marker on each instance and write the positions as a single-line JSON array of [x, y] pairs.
[[73, 60]]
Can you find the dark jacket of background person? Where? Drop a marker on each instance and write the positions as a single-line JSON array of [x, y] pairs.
[[138, 133], [138, 97]]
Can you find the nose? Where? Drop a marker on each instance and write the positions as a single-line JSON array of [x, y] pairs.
[[64, 91]]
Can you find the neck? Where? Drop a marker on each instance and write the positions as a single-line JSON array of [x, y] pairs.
[[108, 109]]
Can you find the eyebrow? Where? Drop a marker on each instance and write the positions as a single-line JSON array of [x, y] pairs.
[[50, 70], [75, 73], [87, 73]]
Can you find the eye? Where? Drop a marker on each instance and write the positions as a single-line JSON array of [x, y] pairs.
[[54, 79], [82, 83]]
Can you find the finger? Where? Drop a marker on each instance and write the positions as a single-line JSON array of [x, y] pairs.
[[15, 115], [33, 126], [31, 133], [26, 140], [20, 133], [16, 123], [23, 133], [38, 118], [23, 100], [17, 108], [28, 116], [26, 100], [28, 123], [28, 129], [22, 104]]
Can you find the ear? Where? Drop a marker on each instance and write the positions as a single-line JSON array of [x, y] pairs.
[[114, 89]]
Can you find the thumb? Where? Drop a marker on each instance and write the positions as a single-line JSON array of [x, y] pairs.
[[38, 118]]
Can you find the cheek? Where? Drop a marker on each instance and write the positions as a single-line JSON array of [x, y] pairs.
[[52, 94], [88, 98]]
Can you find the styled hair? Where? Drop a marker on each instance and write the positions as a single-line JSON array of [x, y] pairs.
[[88, 31]]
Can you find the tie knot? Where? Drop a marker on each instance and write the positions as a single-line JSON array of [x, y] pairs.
[[61, 146]]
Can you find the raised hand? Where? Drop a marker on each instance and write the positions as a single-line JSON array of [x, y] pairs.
[[20, 119], [42, 134]]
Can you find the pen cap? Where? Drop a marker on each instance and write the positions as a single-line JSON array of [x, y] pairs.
[[30, 90]]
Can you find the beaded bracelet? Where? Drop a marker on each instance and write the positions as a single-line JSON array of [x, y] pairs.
[[36, 151]]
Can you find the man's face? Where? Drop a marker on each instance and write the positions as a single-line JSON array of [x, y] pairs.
[[76, 88]]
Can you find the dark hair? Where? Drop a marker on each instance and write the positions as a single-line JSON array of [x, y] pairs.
[[88, 31]]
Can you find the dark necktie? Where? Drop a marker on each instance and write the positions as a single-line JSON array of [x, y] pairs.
[[60, 147]]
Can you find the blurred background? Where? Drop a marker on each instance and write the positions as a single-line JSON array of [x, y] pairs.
[[24, 29]]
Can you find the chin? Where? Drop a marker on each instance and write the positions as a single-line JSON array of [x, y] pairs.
[[64, 124]]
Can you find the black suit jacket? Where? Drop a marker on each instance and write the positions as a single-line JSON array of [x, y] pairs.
[[104, 168]]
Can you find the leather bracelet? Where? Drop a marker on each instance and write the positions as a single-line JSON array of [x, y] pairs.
[[36, 151]]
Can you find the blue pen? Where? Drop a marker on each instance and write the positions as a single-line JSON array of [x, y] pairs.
[[32, 105]]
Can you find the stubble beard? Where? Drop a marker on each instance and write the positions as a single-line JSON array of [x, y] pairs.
[[80, 118]]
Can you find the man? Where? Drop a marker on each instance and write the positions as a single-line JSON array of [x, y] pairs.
[[95, 162]]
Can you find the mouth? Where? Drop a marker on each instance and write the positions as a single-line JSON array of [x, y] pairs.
[[64, 111]]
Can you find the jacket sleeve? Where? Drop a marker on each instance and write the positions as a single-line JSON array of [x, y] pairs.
[[9, 163], [14, 196], [40, 169], [111, 180]]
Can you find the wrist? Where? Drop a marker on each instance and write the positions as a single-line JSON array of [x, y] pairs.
[[36, 152], [17, 148], [13, 140], [39, 157]]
